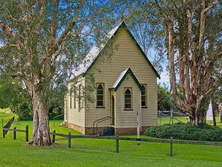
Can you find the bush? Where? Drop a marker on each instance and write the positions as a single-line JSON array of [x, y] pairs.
[[203, 132]]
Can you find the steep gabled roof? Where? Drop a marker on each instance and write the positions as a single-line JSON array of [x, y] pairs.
[[91, 57], [121, 78], [94, 53]]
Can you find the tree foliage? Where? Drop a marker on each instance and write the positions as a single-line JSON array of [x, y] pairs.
[[45, 39], [164, 98], [12, 92], [147, 33], [192, 33]]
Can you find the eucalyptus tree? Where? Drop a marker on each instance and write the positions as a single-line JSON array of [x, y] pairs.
[[192, 32], [146, 31], [41, 39]]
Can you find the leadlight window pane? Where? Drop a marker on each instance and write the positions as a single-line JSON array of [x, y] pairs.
[[143, 96], [100, 95], [128, 99], [70, 101]]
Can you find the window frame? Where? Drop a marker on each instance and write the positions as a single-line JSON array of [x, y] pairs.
[[70, 97], [145, 95], [74, 97], [79, 97], [131, 99], [103, 95]]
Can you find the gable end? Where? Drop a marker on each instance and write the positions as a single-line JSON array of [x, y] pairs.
[[125, 26]]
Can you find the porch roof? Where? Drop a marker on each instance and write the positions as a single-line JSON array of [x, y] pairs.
[[121, 78]]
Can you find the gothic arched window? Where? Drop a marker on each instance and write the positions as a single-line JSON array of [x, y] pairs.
[[100, 95], [128, 98]]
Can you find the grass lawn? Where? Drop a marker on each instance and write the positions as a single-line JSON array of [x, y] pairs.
[[166, 120], [96, 152]]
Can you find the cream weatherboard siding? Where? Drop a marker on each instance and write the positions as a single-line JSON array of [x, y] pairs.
[[105, 70], [76, 115], [95, 113], [65, 107], [127, 55], [124, 118]]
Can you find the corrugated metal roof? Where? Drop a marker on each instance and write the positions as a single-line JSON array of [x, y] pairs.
[[119, 78]]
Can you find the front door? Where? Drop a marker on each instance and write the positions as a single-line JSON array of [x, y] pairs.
[[113, 111]]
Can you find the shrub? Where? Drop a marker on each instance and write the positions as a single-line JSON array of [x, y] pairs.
[[203, 132]]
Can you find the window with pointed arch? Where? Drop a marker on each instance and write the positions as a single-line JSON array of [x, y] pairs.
[[143, 96], [79, 98], [128, 98], [100, 95], [70, 96], [74, 96]]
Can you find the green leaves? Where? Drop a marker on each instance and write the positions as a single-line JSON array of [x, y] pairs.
[[164, 98], [187, 131]]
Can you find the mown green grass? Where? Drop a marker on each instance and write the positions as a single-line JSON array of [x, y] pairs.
[[97, 152], [166, 120]]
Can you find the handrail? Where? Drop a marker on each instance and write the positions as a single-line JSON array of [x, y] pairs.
[[98, 121], [102, 121]]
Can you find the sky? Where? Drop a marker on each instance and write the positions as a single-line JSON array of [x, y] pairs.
[[164, 78]]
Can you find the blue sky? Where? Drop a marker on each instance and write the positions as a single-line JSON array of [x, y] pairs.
[[164, 78]]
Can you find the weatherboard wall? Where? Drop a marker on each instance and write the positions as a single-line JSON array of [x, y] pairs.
[[106, 69], [127, 118], [76, 116]]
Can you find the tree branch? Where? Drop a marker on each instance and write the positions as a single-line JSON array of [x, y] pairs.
[[67, 30], [203, 21], [7, 30]]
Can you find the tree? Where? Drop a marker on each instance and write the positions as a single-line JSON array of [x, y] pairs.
[[192, 32], [146, 32], [164, 98], [217, 99], [12, 92], [44, 38], [56, 96], [14, 95]]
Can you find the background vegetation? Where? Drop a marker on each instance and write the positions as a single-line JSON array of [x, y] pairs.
[[203, 132]]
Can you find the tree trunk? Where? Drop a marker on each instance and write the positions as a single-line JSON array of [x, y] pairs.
[[198, 119], [220, 117], [40, 133]]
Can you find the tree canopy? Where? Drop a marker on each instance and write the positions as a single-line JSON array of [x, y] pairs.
[[191, 34], [164, 98], [43, 40]]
